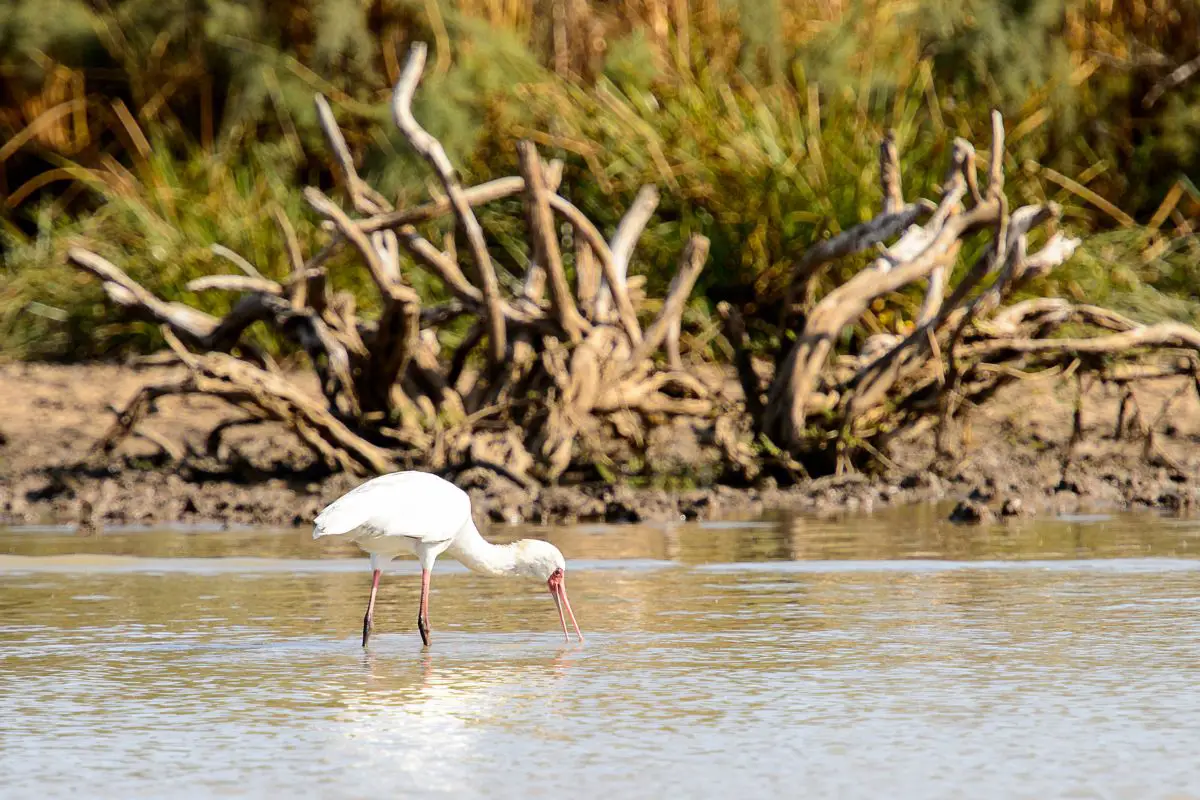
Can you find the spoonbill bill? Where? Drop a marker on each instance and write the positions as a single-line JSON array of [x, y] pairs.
[[426, 515]]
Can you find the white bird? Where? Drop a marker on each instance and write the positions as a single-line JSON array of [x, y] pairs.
[[423, 514]]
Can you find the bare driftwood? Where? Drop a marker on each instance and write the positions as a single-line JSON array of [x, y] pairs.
[[569, 368], [565, 370], [832, 412], [433, 152]]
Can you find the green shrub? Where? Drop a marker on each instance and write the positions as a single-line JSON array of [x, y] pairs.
[[763, 134]]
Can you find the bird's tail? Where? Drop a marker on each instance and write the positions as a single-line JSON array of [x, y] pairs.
[[335, 520]]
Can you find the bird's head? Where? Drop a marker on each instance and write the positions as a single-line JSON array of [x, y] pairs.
[[545, 562], [539, 560]]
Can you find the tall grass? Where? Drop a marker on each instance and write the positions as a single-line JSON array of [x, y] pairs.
[[154, 129], [158, 221]]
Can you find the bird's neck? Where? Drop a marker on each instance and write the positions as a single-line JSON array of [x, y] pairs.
[[479, 555]]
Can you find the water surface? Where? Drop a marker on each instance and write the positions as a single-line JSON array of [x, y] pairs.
[[887, 656]]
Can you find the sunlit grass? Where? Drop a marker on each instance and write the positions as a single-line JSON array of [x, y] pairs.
[[158, 223], [759, 123]]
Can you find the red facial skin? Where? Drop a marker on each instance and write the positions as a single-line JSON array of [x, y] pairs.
[[559, 592]]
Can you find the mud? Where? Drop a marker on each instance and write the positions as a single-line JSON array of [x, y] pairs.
[[1010, 462]]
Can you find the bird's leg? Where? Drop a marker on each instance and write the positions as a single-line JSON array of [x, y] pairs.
[[370, 608], [423, 612]]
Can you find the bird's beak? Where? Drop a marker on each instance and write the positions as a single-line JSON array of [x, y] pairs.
[[559, 592]]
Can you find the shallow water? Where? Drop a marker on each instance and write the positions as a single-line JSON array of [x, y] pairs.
[[889, 656]]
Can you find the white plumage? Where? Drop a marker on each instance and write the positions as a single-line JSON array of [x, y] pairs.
[[402, 512], [423, 514]]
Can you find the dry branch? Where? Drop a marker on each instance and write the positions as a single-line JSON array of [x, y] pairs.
[[136, 410], [535, 276], [877, 376], [570, 380], [365, 199], [234, 283], [432, 151], [1162, 335], [963, 343], [299, 282], [395, 334], [569, 374], [239, 262], [482, 194], [616, 283], [889, 174], [629, 230], [587, 278], [274, 397], [545, 243], [691, 262], [124, 291]]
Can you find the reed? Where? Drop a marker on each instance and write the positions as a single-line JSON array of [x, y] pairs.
[[758, 120]]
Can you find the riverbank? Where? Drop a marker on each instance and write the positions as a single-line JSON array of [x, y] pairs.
[[1012, 463]]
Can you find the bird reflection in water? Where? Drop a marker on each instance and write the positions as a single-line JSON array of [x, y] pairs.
[[417, 721]]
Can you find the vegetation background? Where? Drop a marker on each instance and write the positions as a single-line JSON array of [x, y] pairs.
[[153, 129]]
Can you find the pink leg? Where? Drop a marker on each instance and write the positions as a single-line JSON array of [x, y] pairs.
[[370, 608], [423, 613]]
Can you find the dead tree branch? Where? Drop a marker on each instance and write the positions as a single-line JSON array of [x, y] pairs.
[[431, 150], [406, 386], [570, 384]]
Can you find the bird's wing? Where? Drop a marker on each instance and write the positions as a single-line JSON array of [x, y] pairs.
[[415, 505]]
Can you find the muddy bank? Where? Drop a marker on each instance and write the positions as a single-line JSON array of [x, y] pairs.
[[1012, 463]]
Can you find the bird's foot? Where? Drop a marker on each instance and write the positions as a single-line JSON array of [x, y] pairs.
[[366, 630], [423, 627]]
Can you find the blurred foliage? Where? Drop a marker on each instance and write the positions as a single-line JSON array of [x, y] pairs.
[[152, 130]]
